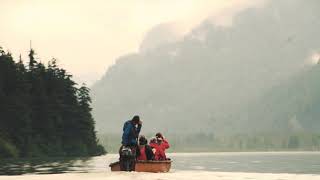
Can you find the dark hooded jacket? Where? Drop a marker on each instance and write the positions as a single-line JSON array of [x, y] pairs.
[[130, 133]]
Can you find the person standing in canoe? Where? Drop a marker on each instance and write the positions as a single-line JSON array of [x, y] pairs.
[[128, 151]]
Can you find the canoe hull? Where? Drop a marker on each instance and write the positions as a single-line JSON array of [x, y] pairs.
[[146, 166]]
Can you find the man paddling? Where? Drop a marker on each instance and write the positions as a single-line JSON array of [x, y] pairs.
[[128, 150]]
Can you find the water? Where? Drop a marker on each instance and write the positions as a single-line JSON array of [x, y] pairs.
[[294, 162], [271, 162]]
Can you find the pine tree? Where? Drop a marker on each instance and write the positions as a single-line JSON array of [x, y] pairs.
[[42, 111], [32, 61], [87, 122]]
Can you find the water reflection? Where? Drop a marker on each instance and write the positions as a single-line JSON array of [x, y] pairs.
[[45, 166], [280, 162]]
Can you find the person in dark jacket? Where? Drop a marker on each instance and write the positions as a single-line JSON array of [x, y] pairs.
[[145, 150], [131, 130], [128, 151]]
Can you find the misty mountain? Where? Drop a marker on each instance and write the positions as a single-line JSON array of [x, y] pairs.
[[292, 106], [160, 35], [214, 77]]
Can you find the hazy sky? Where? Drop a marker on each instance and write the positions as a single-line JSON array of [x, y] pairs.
[[87, 36]]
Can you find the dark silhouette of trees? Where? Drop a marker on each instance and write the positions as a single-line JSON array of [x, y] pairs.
[[43, 112]]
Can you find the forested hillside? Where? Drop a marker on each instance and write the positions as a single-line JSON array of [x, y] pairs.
[[292, 106], [212, 79], [43, 112]]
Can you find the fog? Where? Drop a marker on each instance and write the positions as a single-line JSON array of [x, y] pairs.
[[209, 69], [87, 36], [232, 86], [255, 73]]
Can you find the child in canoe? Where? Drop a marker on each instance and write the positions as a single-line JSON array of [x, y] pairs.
[[145, 151]]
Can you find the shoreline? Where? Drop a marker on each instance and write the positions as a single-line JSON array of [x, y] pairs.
[[234, 152], [200, 153]]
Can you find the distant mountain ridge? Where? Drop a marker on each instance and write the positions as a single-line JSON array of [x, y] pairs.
[[209, 80], [292, 106]]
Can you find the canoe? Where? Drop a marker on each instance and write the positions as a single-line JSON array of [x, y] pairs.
[[146, 166]]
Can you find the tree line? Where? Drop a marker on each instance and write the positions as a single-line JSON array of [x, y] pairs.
[[293, 141], [43, 112], [209, 142]]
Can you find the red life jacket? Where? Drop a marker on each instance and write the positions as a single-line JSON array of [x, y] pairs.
[[160, 153], [143, 156]]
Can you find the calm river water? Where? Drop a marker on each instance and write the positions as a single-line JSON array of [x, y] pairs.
[[260, 162]]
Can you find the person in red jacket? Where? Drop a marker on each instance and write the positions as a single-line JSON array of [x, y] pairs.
[[159, 147], [145, 150]]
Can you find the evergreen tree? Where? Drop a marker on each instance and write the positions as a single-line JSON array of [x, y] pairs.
[[42, 111], [32, 60], [86, 123]]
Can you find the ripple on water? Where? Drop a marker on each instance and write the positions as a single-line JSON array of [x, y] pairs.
[[301, 163]]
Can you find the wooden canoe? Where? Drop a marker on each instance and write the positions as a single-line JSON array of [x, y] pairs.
[[146, 166]]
